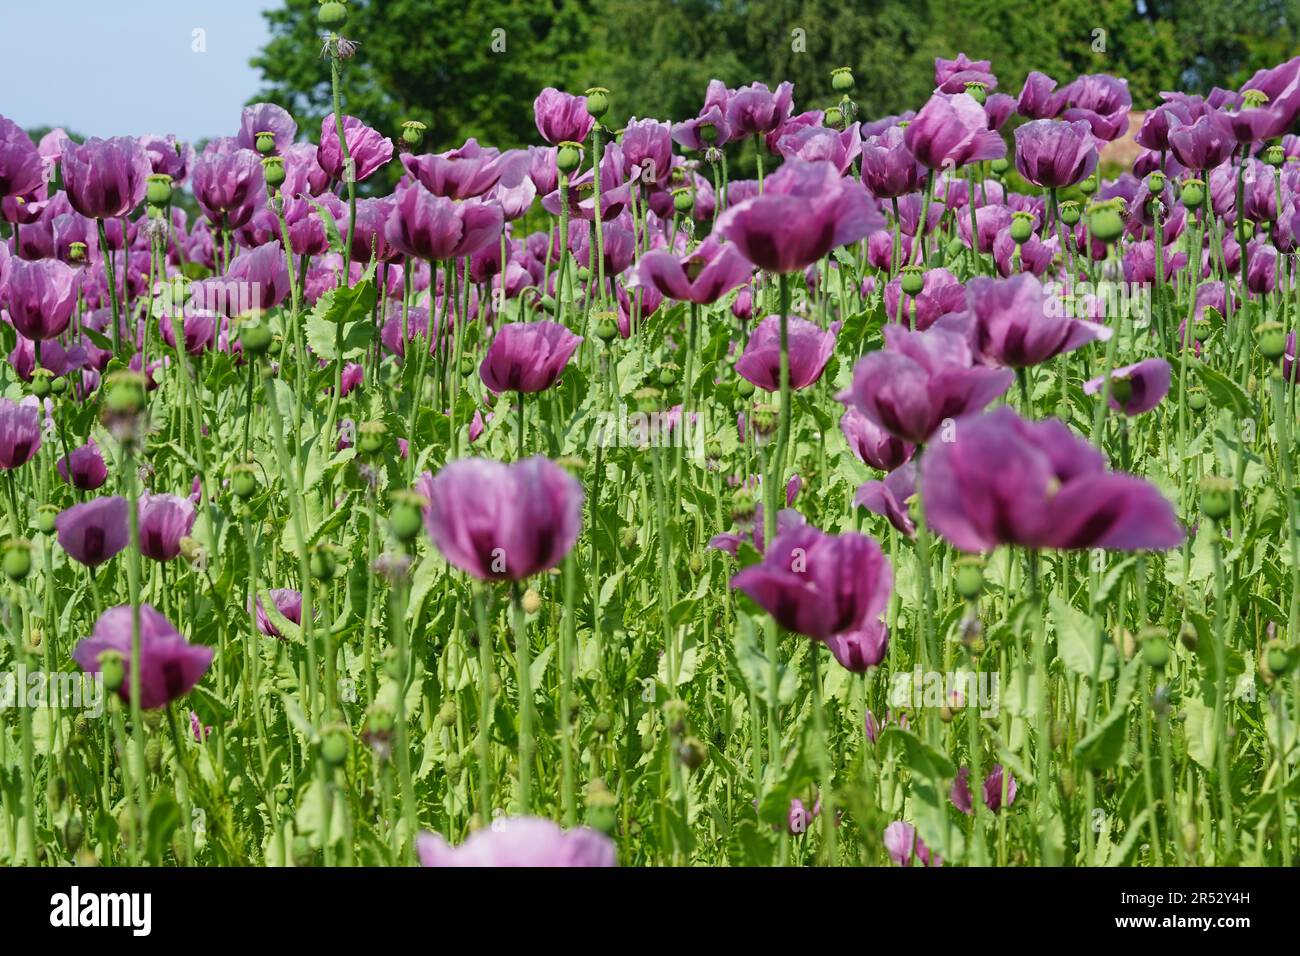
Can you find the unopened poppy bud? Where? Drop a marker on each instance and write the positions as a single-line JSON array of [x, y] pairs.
[[158, 190], [602, 807], [1022, 226], [683, 200], [1190, 837], [1197, 400], [334, 745], [833, 118], [112, 668], [1271, 339], [912, 279], [153, 754], [692, 753], [371, 437], [601, 724], [467, 365], [977, 91], [970, 576], [255, 338], [1000, 165], [744, 388], [668, 375], [607, 330], [405, 517], [1216, 497], [17, 558], [73, 832], [1106, 222], [447, 713], [597, 101], [332, 14], [742, 507], [125, 392], [1193, 193], [1278, 658], [568, 157], [322, 562], [45, 516], [1275, 155], [273, 170], [243, 481], [842, 80], [531, 602], [413, 132], [1188, 637], [1155, 649], [1070, 212], [764, 418]]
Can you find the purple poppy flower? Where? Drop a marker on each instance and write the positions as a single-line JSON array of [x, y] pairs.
[[710, 128], [872, 444], [520, 842], [527, 356], [1203, 144], [1156, 124], [463, 173], [1002, 480], [951, 76], [647, 150], [503, 522], [889, 169], [862, 649], [812, 143], [41, 296], [704, 275], [805, 211], [1053, 155], [998, 109], [435, 228], [1017, 323], [951, 130], [1280, 89], [170, 666], [21, 167], [20, 431], [169, 157], [920, 379], [164, 520], [1039, 98], [95, 530], [731, 541], [266, 118], [106, 178], [562, 117], [961, 796], [810, 348], [904, 846], [288, 603], [889, 498], [1101, 100], [368, 149], [755, 110], [228, 183], [84, 468], [1035, 256], [1137, 388], [817, 584], [303, 175]]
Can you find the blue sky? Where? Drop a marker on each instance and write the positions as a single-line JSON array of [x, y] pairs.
[[129, 67]]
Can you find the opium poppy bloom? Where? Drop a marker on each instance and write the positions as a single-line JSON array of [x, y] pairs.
[[562, 117], [503, 522], [1018, 324], [288, 602], [164, 520], [106, 178], [20, 431], [368, 149], [703, 275], [1136, 388], [520, 841], [170, 666], [810, 348], [94, 531], [527, 356], [84, 467], [41, 296]]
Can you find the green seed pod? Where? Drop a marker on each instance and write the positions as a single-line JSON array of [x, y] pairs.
[[447, 713], [970, 576], [372, 437], [453, 765], [153, 754], [1271, 339], [1275, 156], [977, 91], [1106, 222], [413, 132], [322, 562], [1193, 193], [842, 80], [1216, 497], [332, 14], [744, 388], [912, 279], [1279, 659], [598, 101], [335, 743], [255, 338], [668, 375], [833, 118], [683, 200], [1089, 185], [17, 558], [1070, 212], [273, 171], [568, 157], [405, 517], [40, 383], [1000, 165], [601, 724], [742, 507], [1155, 649], [1022, 226], [607, 330], [243, 481], [158, 190]]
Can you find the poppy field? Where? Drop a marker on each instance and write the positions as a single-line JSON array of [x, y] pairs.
[[926, 498]]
